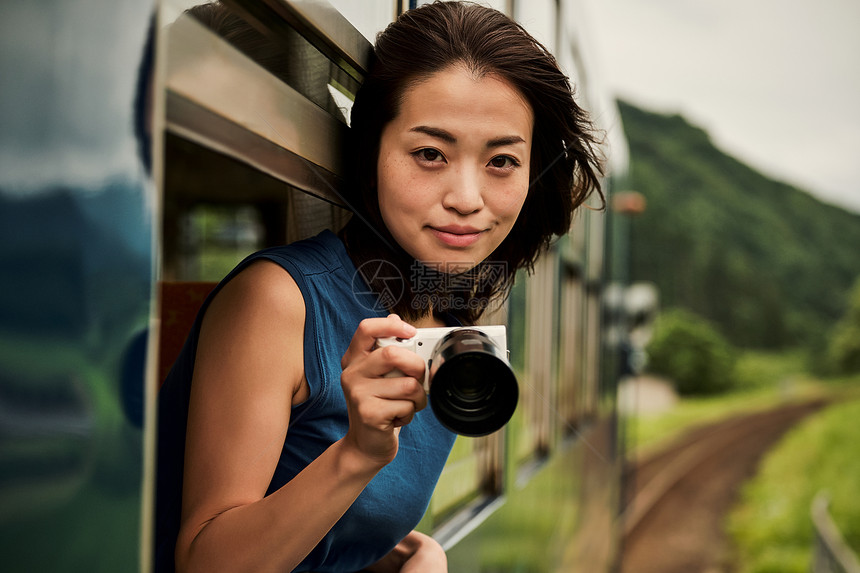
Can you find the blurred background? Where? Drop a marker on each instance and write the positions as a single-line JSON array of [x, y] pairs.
[[744, 135]]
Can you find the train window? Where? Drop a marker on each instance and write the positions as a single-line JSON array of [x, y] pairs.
[[571, 352], [217, 210], [530, 428], [517, 323], [265, 33], [250, 137], [459, 483], [519, 428], [593, 286], [215, 237]]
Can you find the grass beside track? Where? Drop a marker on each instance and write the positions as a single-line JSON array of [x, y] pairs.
[[771, 524], [764, 380]]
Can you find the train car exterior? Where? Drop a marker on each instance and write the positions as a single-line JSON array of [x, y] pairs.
[[77, 258], [143, 155]]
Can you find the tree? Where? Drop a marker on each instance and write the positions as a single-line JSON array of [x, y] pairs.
[[686, 349]]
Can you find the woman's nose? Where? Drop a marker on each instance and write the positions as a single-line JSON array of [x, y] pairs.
[[464, 192]]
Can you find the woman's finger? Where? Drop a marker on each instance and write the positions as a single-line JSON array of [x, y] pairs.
[[370, 330], [401, 388], [394, 358]]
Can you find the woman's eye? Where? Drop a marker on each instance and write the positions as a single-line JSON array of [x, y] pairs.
[[503, 161], [429, 154]]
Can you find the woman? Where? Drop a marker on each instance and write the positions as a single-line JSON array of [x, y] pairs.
[[467, 154]]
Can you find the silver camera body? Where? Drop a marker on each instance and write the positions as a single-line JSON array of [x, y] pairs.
[[426, 341], [473, 390]]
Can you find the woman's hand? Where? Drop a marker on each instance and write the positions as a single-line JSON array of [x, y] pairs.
[[378, 406], [417, 553]]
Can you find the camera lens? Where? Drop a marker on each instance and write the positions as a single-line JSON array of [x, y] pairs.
[[474, 391], [470, 391]]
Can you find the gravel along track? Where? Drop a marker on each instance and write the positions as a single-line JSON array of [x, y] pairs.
[[679, 497]]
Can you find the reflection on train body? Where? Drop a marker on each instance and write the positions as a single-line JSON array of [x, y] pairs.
[[76, 205]]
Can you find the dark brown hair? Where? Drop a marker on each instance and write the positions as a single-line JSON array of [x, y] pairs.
[[565, 163]]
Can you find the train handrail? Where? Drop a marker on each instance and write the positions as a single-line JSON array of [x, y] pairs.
[[830, 554]]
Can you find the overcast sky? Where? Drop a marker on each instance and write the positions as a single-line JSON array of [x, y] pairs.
[[775, 82]]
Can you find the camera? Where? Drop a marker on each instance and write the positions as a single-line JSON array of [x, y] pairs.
[[472, 388]]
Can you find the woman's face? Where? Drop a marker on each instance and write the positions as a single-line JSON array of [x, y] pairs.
[[453, 168]]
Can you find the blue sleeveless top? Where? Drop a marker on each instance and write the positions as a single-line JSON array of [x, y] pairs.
[[336, 300]]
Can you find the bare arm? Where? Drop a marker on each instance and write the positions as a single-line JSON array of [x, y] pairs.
[[416, 553], [248, 372]]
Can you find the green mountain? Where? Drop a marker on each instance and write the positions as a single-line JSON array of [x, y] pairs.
[[766, 262]]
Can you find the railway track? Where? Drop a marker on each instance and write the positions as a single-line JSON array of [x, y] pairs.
[[679, 496]]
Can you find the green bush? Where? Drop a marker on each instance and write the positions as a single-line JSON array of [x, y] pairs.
[[775, 370], [689, 351], [844, 349]]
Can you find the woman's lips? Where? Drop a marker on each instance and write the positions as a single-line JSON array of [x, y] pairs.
[[456, 236]]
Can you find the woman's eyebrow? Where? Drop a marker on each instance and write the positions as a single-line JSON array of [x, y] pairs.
[[505, 140], [448, 137], [445, 136]]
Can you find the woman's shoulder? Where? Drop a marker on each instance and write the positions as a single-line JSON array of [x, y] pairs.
[[321, 253], [261, 288], [273, 279], [257, 321]]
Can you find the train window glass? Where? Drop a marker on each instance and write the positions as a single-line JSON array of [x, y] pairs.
[[214, 238], [517, 428], [596, 230], [471, 482], [517, 323], [460, 481], [592, 337], [369, 16], [217, 210], [570, 350], [556, 417], [531, 428], [547, 352], [576, 238]]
